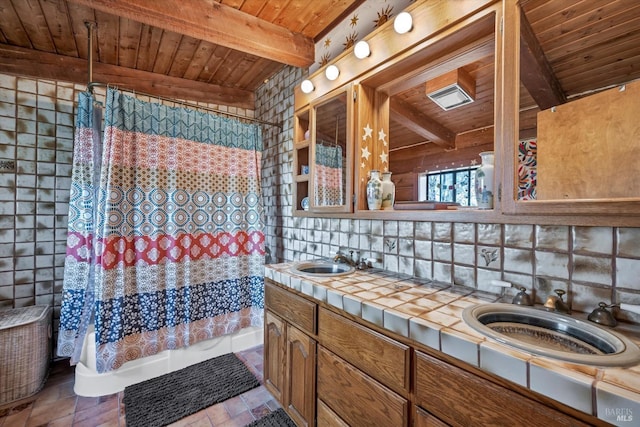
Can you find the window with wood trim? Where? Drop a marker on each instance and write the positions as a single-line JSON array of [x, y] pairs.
[[452, 185]]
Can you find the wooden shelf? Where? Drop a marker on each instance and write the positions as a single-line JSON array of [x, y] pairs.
[[302, 144]]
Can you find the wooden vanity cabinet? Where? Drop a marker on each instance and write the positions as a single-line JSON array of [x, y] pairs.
[[290, 353], [328, 368]]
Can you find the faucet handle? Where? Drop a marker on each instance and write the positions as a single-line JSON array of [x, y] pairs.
[[522, 298], [603, 316]]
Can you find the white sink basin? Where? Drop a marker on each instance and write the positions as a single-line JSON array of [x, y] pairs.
[[321, 269], [552, 335]]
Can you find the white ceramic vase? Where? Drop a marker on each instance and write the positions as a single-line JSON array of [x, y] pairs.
[[374, 191], [388, 191], [484, 181]]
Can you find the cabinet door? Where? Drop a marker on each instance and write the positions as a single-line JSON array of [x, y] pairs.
[[274, 355], [300, 396]]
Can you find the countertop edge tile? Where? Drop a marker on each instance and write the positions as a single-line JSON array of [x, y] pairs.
[[373, 313], [564, 385], [396, 321], [425, 332], [615, 405], [460, 345], [506, 363]]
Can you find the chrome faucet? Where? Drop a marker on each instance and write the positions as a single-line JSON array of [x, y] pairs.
[[555, 302], [346, 260]]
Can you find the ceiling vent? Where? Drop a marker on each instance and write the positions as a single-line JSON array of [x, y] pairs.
[[452, 90]]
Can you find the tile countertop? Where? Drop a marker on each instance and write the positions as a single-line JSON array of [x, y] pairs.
[[430, 313]]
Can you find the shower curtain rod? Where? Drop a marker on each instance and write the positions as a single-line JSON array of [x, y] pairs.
[[91, 85]]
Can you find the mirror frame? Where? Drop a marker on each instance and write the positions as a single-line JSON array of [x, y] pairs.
[[611, 212], [349, 144]]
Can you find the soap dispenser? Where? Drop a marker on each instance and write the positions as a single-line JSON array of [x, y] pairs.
[[603, 316], [522, 298]]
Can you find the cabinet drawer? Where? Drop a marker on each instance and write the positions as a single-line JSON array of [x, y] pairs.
[[460, 398], [327, 418], [424, 419], [292, 308], [383, 358], [355, 397]]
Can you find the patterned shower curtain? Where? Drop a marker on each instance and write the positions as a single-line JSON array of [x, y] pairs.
[[77, 296], [178, 246], [329, 178]]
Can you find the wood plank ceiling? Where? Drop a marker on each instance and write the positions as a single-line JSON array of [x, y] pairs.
[[222, 51], [205, 50]]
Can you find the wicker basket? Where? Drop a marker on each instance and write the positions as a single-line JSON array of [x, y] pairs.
[[25, 351]]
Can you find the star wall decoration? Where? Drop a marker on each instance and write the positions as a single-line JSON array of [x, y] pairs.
[[382, 137], [368, 132], [365, 153], [363, 20], [384, 157]]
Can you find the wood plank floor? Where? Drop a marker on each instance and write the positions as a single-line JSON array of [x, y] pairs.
[[56, 405]]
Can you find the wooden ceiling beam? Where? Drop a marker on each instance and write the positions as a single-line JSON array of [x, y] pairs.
[[416, 121], [43, 65], [536, 73], [216, 23]]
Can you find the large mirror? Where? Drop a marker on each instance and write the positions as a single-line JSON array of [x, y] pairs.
[[440, 118], [331, 153]]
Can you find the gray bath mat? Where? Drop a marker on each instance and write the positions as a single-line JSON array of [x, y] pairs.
[[277, 418], [168, 398]]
